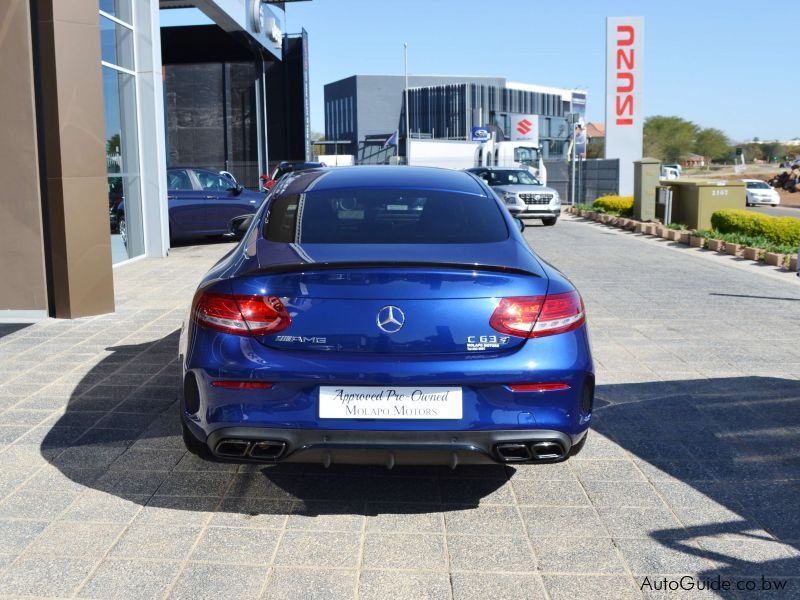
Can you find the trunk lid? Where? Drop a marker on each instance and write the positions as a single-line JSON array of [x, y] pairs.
[[395, 303]]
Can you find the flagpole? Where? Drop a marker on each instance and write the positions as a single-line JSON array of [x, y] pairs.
[[405, 60]]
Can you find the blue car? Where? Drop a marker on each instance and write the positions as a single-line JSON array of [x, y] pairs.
[[201, 203], [390, 315]]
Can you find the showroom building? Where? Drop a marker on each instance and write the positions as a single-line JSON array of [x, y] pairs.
[[362, 111], [94, 114]]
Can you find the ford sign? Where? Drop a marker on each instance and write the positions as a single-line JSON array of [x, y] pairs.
[[481, 134]]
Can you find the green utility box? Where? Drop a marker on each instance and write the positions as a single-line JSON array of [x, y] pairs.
[[646, 173], [695, 200]]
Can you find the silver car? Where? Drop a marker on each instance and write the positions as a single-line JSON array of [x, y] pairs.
[[522, 193]]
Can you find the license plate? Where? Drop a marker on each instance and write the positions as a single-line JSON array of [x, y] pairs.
[[388, 402]]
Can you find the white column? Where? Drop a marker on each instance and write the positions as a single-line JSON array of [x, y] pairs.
[[152, 144]]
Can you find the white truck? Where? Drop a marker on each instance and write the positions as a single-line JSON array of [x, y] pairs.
[[453, 154]]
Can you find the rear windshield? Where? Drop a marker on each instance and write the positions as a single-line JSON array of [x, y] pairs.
[[385, 217]]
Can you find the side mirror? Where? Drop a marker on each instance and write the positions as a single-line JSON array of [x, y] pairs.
[[520, 223], [236, 190]]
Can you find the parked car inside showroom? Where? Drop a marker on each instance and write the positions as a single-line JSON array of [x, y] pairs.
[[760, 192], [201, 203], [522, 193], [389, 315]]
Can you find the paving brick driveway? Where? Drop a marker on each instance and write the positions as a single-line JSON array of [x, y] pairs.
[[693, 466]]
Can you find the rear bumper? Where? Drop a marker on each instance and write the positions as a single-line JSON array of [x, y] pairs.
[[288, 411], [390, 447]]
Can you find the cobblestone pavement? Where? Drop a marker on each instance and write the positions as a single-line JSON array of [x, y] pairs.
[[692, 467]]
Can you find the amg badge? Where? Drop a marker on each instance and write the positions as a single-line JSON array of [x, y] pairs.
[[301, 339]]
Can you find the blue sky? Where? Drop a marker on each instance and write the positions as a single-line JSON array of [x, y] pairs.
[[730, 65], [726, 64]]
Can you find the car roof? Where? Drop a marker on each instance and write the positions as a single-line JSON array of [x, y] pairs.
[[387, 177]]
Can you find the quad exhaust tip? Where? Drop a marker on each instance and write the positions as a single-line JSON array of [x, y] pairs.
[[530, 452], [257, 449]]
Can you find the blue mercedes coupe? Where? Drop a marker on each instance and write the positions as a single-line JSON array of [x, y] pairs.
[[390, 315]]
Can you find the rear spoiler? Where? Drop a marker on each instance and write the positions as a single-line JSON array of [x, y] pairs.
[[331, 266]]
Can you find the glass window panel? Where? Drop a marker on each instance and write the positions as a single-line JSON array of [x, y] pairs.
[[116, 43], [125, 214], [119, 101], [178, 179], [118, 8], [213, 181], [122, 163]]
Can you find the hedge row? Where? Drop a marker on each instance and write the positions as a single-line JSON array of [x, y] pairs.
[[622, 205], [778, 230]]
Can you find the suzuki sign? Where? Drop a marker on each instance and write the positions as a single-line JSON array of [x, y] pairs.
[[525, 127], [624, 114]]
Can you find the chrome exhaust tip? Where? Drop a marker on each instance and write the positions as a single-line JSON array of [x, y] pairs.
[[513, 452], [267, 449], [547, 450], [232, 448]]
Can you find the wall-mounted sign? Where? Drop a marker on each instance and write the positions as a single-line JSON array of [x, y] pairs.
[[258, 15], [263, 21], [481, 134], [524, 127], [624, 115], [274, 32]]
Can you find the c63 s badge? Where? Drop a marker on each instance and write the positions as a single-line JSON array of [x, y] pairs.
[[476, 343]]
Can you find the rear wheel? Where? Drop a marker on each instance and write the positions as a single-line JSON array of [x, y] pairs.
[[549, 222]]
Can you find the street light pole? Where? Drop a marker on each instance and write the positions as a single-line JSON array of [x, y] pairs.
[[405, 60]]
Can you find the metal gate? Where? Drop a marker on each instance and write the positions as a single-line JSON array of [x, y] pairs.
[[593, 178], [558, 176]]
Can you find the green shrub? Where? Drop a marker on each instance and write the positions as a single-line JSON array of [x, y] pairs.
[[616, 205], [783, 231], [678, 226], [579, 206]]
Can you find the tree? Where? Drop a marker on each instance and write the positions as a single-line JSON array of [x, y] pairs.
[[596, 148], [712, 144], [668, 138], [773, 151], [113, 144]]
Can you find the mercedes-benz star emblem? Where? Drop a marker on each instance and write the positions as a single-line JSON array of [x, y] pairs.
[[390, 319]]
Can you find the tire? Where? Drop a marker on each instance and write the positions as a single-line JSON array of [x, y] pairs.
[[123, 231], [549, 222], [194, 445]]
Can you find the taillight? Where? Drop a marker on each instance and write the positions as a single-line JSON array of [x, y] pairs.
[[240, 314], [517, 316], [539, 316]]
